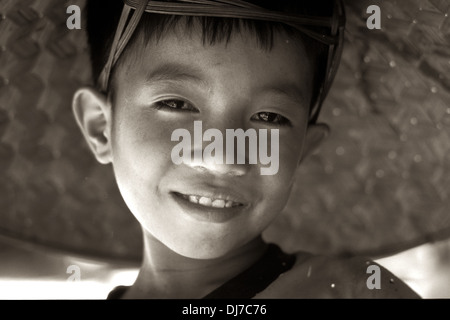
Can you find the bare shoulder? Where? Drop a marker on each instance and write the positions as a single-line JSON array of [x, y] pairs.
[[318, 276]]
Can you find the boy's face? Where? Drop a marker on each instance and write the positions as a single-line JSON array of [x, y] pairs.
[[180, 80]]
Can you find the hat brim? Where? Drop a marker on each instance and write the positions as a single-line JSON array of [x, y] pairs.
[[378, 185]]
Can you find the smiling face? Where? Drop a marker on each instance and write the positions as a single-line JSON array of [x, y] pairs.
[[204, 210]]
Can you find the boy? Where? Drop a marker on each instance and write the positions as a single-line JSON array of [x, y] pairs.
[[216, 70]]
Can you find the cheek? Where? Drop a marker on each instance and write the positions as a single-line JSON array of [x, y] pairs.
[[140, 157], [275, 189], [141, 141], [290, 153]]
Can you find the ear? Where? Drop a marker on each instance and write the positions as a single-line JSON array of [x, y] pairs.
[[315, 134], [93, 115]]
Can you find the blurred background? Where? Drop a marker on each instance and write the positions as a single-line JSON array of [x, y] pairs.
[[379, 186]]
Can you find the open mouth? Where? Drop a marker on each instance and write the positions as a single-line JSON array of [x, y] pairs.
[[210, 202]]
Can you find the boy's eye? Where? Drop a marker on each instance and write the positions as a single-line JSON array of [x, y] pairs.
[[175, 104], [270, 117]]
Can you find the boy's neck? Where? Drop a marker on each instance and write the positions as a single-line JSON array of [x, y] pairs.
[[165, 274]]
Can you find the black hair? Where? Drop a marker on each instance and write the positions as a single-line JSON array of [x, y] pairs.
[[103, 17]]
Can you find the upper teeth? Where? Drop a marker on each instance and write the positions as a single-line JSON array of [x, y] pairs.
[[216, 203]]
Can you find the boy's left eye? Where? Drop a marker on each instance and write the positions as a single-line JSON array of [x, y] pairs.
[[270, 117]]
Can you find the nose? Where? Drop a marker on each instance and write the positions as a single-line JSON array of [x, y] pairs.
[[220, 152], [215, 167]]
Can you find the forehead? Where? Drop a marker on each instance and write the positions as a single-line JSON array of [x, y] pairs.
[[241, 61]]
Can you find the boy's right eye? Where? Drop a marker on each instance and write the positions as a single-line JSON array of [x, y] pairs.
[[175, 105]]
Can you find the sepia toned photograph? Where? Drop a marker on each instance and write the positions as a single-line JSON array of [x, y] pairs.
[[224, 149]]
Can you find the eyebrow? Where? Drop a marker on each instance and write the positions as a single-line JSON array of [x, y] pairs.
[[289, 90], [175, 72]]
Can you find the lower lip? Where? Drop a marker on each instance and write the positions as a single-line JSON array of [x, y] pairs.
[[207, 214]]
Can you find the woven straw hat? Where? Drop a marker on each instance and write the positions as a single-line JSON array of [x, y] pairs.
[[379, 184]]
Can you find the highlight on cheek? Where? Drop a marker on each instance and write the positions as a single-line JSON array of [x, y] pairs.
[[190, 149]]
